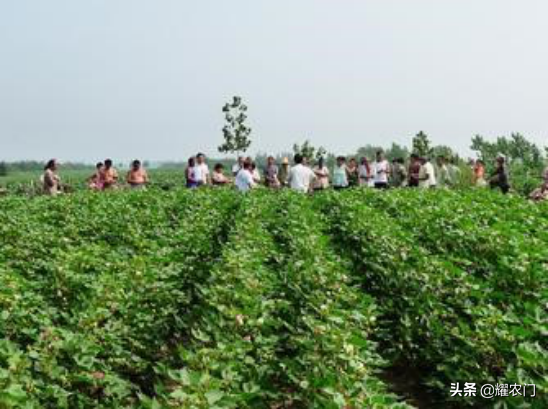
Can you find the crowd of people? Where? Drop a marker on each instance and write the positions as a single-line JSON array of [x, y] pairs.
[[380, 173], [105, 177], [303, 176]]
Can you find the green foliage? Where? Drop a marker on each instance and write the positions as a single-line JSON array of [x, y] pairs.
[[210, 298], [525, 160], [422, 145], [515, 149], [235, 132], [3, 169], [442, 150], [368, 151], [307, 150], [395, 151], [461, 282]]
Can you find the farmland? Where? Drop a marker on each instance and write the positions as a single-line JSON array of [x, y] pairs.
[[209, 298]]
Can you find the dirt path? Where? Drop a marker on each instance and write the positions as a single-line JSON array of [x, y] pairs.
[[405, 381]]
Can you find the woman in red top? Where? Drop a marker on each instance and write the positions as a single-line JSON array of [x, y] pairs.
[[414, 170]]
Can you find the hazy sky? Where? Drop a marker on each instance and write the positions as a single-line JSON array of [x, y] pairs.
[[87, 79]]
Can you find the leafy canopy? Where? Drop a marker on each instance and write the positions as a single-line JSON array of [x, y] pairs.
[[235, 132]]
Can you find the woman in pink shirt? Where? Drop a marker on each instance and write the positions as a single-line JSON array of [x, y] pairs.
[[218, 177], [95, 181]]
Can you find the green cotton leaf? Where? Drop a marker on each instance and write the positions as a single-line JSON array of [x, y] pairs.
[[214, 396], [148, 403], [178, 394], [14, 361], [200, 335], [339, 400], [15, 392]]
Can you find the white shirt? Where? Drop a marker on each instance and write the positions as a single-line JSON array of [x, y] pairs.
[[244, 180], [428, 168], [256, 176], [201, 172], [300, 178], [380, 169], [366, 178], [236, 168]]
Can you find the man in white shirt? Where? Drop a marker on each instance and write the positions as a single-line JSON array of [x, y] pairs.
[[381, 170], [244, 179], [201, 170], [301, 176], [238, 166], [427, 175]]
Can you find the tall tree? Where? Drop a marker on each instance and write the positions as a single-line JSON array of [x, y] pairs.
[[235, 132], [421, 144], [308, 150], [3, 169]]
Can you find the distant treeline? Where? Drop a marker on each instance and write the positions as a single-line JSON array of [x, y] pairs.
[[36, 166]]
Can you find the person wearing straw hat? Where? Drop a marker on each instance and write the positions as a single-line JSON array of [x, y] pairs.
[[283, 174]]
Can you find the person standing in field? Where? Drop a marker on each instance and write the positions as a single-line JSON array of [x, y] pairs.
[[353, 175], [244, 179], [414, 170], [271, 173], [322, 176], [238, 166], [454, 171], [301, 177], [427, 175], [201, 171], [340, 175], [443, 179], [109, 175], [137, 177], [499, 178], [255, 173], [479, 174], [94, 181], [218, 178], [365, 173], [381, 170], [399, 173], [51, 180], [540, 194], [191, 182], [283, 175]]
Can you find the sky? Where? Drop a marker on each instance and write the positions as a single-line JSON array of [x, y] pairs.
[[81, 80]]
